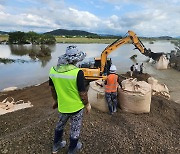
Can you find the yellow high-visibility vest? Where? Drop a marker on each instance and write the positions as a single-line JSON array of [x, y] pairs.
[[65, 82]]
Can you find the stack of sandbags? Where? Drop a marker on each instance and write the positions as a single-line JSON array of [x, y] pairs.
[[96, 95], [135, 96], [158, 89], [162, 63]]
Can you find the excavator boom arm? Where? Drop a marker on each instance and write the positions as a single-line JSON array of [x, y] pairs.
[[99, 72], [119, 42], [110, 49]]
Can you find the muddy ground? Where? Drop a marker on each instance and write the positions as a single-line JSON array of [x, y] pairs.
[[175, 62], [31, 130]]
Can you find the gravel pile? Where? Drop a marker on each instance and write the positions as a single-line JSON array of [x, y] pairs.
[[31, 130], [174, 60]]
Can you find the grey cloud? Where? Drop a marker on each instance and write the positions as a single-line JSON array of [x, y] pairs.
[[156, 19]]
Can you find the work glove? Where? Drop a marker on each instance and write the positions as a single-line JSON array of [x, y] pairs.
[[88, 108]]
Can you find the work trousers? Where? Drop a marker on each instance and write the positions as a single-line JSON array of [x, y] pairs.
[[141, 71], [75, 121], [111, 99], [131, 73]]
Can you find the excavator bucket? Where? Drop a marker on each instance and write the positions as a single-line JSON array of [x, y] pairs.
[[154, 56]]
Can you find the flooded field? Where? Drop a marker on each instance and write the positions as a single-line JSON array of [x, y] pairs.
[[35, 70]]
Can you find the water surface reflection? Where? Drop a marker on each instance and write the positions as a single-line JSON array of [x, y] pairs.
[[24, 74], [30, 53]]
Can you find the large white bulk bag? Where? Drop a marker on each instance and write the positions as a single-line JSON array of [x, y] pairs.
[[96, 96], [162, 63], [158, 89], [152, 80], [135, 96]]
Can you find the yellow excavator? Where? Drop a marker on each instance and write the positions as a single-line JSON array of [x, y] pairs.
[[101, 65]]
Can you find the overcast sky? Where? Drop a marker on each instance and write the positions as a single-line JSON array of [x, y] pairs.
[[144, 17]]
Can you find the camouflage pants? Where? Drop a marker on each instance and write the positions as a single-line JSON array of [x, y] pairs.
[[75, 121], [111, 99]]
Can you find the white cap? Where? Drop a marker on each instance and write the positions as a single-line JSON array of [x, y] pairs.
[[113, 69], [72, 50]]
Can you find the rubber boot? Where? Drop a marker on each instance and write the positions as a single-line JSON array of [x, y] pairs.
[[115, 107], [110, 109], [58, 136], [58, 143], [74, 146]]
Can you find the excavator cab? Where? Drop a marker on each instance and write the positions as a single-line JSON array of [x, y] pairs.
[[92, 71]]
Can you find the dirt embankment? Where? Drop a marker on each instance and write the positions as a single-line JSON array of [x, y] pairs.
[[31, 130], [174, 60]]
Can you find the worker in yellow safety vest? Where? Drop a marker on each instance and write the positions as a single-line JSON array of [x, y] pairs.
[[70, 97], [111, 85]]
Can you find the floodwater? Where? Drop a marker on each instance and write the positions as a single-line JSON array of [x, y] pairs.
[[35, 70]]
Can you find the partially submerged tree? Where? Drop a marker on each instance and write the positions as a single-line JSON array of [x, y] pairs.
[[17, 38], [47, 39], [33, 37], [30, 37]]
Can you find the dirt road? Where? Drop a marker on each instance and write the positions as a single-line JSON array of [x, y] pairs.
[[31, 130]]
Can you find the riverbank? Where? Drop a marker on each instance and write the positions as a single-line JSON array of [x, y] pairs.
[[84, 40], [31, 130], [60, 39]]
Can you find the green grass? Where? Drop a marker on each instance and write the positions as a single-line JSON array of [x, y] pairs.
[[73, 40], [3, 37], [96, 40], [83, 40]]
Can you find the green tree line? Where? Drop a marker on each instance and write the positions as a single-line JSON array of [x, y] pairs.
[[30, 38]]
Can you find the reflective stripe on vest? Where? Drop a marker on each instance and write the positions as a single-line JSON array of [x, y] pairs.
[[65, 84], [62, 76], [112, 83]]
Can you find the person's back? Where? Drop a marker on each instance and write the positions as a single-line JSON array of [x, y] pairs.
[[141, 68], [131, 70], [70, 96], [111, 89], [136, 68], [67, 76], [111, 85]]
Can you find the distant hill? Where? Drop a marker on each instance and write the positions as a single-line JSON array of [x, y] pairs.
[[2, 32], [70, 32]]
